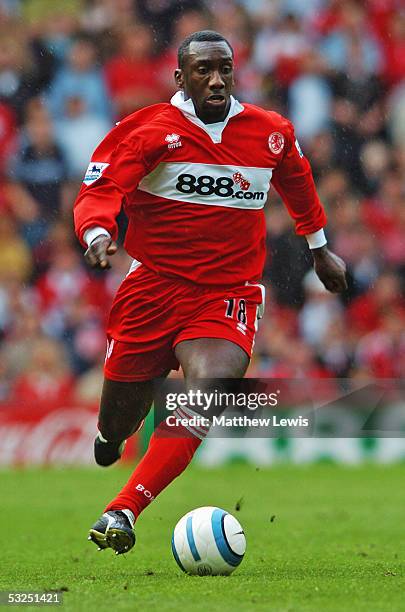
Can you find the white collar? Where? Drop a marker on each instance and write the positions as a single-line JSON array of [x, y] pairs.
[[214, 130]]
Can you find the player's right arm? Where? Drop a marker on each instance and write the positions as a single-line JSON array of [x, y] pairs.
[[111, 180], [99, 251]]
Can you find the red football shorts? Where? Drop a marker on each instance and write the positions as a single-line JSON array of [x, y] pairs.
[[151, 314]]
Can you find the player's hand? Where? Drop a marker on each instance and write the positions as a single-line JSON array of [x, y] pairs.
[[331, 269], [97, 255]]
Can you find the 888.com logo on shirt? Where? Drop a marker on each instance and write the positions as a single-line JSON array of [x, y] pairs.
[[223, 186], [236, 187]]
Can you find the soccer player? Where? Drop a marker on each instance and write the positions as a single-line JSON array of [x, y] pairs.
[[193, 177]]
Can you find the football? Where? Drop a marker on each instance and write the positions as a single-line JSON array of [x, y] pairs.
[[208, 541]]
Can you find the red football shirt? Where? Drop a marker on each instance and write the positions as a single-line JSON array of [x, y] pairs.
[[194, 193]]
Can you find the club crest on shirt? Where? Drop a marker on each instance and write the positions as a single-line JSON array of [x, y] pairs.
[[173, 141], [276, 142], [94, 171]]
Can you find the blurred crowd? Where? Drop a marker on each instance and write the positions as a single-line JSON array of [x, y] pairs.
[[69, 70]]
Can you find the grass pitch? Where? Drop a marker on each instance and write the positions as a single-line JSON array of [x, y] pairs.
[[320, 538]]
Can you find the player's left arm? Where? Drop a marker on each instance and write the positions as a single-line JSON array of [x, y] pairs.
[[293, 180], [330, 268]]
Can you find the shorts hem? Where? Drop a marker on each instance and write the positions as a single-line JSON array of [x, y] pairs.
[[133, 377], [219, 337]]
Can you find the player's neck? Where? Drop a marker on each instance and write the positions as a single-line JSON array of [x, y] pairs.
[[209, 118]]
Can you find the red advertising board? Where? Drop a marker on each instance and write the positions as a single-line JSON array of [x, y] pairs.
[[49, 434]]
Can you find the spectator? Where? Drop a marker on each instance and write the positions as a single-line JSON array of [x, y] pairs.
[[8, 135], [392, 241], [63, 283], [382, 351], [366, 312], [102, 16], [83, 334], [396, 124], [394, 49], [17, 84], [378, 212], [16, 258], [350, 47], [161, 16], [39, 169], [336, 348], [87, 388], [287, 261], [56, 22], [82, 78], [46, 376], [374, 160], [279, 50], [321, 309], [132, 73], [310, 98], [320, 151], [22, 329], [78, 133], [347, 140]]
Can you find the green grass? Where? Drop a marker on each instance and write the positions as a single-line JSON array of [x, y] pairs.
[[336, 542]]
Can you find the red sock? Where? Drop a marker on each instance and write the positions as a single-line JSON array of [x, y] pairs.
[[169, 452]]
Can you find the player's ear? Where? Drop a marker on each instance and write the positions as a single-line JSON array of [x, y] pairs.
[[178, 77]]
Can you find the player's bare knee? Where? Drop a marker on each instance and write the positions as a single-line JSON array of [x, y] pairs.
[[212, 358], [205, 366], [123, 407], [113, 432], [115, 428], [208, 370]]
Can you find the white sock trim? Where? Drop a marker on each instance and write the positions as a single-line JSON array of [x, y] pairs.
[[130, 516], [100, 437], [199, 431]]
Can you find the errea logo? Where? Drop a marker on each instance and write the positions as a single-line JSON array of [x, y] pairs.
[[173, 141]]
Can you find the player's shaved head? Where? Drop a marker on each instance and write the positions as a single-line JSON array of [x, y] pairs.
[[201, 36], [205, 74]]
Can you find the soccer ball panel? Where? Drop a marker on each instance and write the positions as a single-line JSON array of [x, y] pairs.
[[235, 534], [208, 540]]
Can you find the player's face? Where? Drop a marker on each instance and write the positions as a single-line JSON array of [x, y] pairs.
[[207, 78]]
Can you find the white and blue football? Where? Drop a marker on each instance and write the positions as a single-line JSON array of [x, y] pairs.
[[208, 541]]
